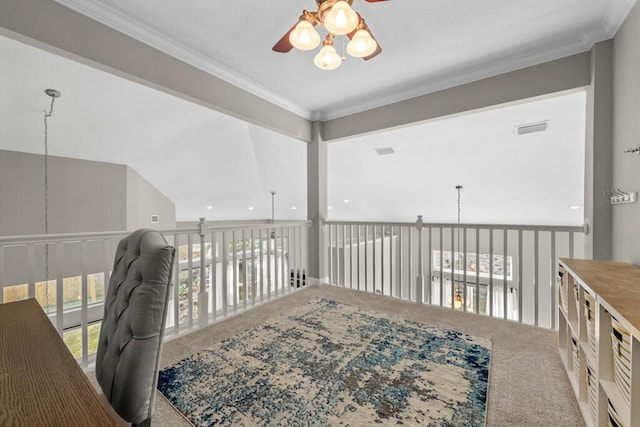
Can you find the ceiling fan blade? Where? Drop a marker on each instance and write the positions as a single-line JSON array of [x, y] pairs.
[[284, 45]]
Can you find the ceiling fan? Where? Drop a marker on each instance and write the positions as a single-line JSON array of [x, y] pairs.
[[338, 18]]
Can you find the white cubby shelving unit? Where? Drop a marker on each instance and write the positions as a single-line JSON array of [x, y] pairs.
[[599, 338]]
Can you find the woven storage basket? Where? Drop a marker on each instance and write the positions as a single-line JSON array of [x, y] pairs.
[[621, 346], [590, 318], [563, 278], [592, 387], [613, 420]]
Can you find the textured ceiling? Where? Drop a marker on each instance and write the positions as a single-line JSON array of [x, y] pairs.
[[427, 44], [200, 158]]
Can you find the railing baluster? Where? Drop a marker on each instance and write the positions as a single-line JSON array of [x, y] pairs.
[[262, 240], [391, 262], [464, 270], [337, 256], [552, 282], [351, 256], [331, 253], [410, 265], [59, 248], [420, 277], [283, 251], [373, 261], [535, 277], [452, 261], [84, 313], [358, 255], [269, 280], [399, 264], [382, 259], [176, 286], [234, 272], [244, 270], [441, 267], [366, 258], [190, 282], [344, 255], [225, 273], [505, 243], [491, 313], [31, 274], [214, 275], [430, 265], [570, 245], [276, 277], [520, 264], [477, 299]]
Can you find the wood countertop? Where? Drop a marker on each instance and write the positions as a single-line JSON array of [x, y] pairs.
[[41, 384], [617, 285]]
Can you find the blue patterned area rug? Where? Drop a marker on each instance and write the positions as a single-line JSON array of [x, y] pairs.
[[330, 364]]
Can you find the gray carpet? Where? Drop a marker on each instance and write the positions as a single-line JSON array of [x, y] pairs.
[[528, 385]]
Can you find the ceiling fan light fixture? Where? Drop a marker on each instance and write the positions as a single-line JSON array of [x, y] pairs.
[[341, 19], [304, 36], [327, 58], [362, 44]]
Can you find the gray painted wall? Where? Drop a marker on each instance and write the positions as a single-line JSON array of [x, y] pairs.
[[598, 165], [144, 200], [84, 196], [626, 134]]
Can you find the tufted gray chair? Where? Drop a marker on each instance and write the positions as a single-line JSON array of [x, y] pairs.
[[135, 310]]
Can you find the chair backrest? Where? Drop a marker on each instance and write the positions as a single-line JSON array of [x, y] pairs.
[[135, 309]]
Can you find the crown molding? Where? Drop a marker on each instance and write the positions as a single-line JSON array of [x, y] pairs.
[[143, 33], [477, 72], [617, 14]]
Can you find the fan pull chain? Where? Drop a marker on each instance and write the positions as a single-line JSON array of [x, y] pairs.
[[53, 95]]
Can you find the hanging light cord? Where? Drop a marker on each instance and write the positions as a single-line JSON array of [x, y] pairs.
[[46, 200]]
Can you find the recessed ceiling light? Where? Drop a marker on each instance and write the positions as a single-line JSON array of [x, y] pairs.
[[293, 208], [346, 201], [250, 208], [330, 208], [209, 207], [531, 127], [384, 151], [574, 206]]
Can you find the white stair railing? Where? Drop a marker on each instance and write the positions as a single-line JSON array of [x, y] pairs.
[[504, 271], [244, 265]]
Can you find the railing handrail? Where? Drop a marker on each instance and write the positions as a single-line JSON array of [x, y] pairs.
[[558, 228], [74, 237]]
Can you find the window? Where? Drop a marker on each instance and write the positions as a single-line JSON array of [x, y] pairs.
[[473, 266]]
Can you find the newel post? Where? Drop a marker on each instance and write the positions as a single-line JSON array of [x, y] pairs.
[[203, 295], [420, 276]]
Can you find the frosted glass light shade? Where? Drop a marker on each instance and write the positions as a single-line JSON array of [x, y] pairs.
[[304, 36], [362, 44], [327, 58], [341, 19]]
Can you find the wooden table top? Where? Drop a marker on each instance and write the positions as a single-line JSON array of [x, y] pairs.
[[41, 384], [617, 284]]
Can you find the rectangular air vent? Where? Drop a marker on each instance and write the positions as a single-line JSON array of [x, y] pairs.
[[384, 151], [532, 128]]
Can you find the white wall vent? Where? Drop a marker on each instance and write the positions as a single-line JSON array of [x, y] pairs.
[[384, 150], [532, 128], [155, 219]]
